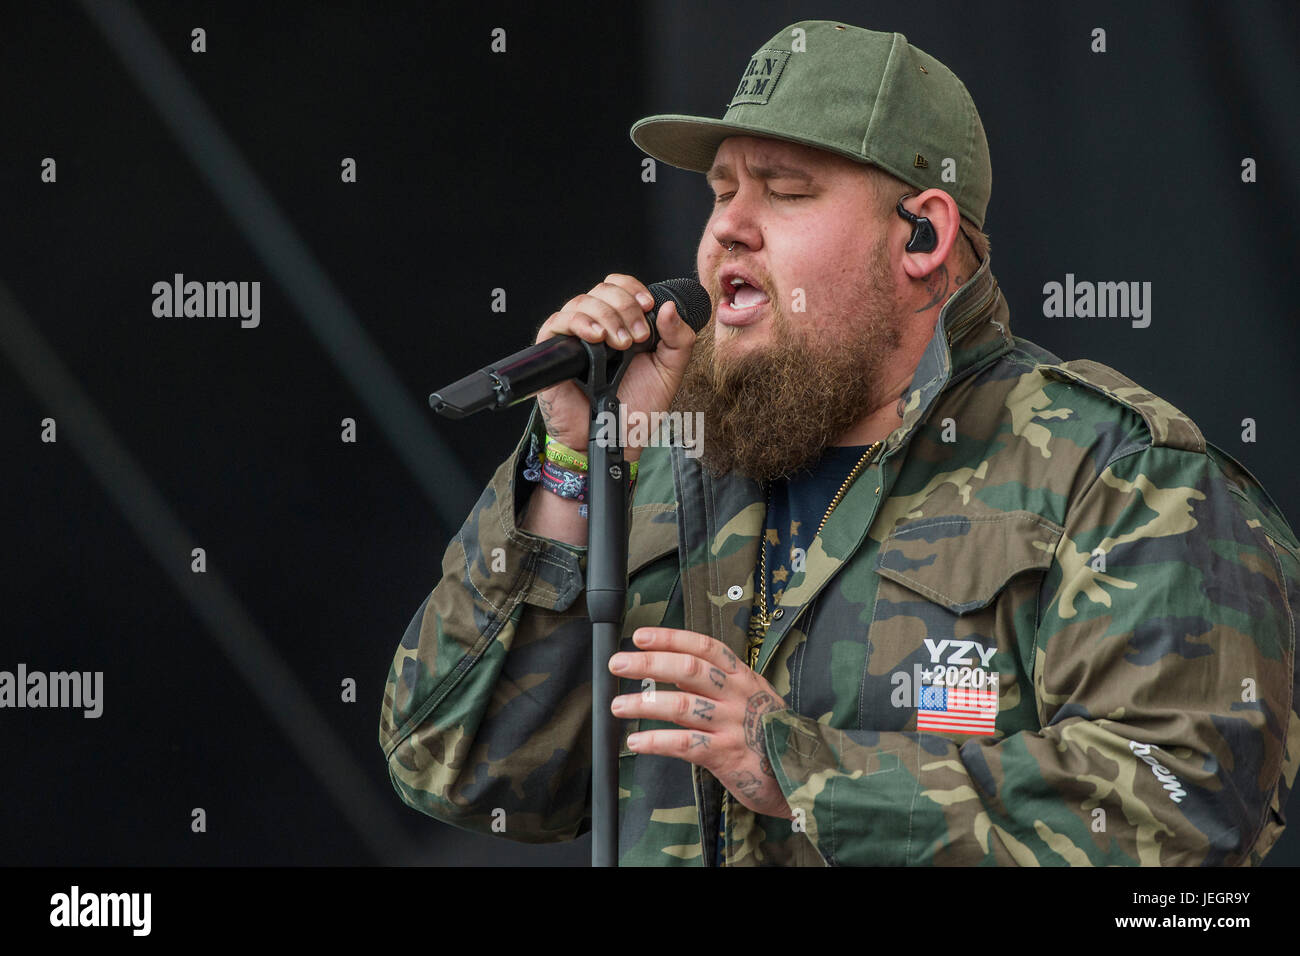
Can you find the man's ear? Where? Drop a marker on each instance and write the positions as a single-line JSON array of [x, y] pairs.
[[945, 219]]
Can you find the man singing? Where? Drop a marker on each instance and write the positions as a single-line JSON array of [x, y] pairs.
[[927, 594]]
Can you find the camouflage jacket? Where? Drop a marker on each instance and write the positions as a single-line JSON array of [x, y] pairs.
[[1047, 530]]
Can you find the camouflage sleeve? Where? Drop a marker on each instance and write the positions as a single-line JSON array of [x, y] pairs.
[[486, 718], [1163, 670]]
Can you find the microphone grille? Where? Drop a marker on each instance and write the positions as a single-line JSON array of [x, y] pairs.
[[692, 300]]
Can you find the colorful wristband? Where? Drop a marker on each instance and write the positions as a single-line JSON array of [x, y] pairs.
[[563, 482], [562, 454]]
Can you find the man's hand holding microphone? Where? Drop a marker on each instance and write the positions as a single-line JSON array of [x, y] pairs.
[[613, 312]]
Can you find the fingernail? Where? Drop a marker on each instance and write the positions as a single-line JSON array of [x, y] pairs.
[[618, 706], [633, 742], [640, 328], [622, 337], [618, 662], [644, 300]]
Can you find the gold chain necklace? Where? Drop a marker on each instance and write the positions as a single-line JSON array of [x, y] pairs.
[[759, 623]]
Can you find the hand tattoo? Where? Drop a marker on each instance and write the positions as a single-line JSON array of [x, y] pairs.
[[747, 783], [718, 677], [760, 704], [703, 708]]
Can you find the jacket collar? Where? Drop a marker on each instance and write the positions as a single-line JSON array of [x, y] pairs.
[[974, 327]]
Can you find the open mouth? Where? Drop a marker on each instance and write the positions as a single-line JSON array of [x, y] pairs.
[[741, 295]]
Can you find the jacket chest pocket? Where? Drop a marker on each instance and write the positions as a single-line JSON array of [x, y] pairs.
[[953, 627]]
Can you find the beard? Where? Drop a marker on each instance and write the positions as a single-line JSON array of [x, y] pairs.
[[773, 410]]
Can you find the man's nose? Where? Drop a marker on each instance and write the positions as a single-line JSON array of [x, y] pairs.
[[739, 220]]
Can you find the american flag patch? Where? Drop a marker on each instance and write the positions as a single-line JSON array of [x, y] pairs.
[[957, 710]]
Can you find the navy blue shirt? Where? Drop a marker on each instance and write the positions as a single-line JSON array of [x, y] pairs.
[[796, 507]]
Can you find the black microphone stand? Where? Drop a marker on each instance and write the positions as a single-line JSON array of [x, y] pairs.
[[607, 491]]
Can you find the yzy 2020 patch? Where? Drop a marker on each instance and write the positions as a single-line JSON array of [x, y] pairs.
[[959, 697]]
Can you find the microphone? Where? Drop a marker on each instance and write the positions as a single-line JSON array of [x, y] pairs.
[[562, 357]]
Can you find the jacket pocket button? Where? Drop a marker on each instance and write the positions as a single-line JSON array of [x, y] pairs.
[[735, 592]]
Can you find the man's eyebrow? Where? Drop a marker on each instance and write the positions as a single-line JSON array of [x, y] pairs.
[[768, 171]]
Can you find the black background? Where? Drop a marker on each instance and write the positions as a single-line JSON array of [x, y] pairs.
[[477, 171]]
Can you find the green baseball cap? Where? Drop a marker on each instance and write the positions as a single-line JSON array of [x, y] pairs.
[[870, 96]]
